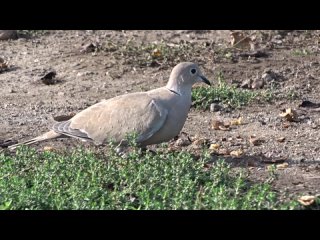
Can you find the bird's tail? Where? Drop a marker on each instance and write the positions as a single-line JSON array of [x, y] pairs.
[[48, 135]]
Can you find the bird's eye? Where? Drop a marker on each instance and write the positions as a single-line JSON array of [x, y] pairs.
[[193, 71]]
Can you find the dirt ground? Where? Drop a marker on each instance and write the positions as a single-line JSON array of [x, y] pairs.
[[28, 106]]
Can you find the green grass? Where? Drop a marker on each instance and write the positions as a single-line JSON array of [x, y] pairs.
[[168, 55], [86, 180], [301, 52], [33, 32], [202, 97], [230, 95]]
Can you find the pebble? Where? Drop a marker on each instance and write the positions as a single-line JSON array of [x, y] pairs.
[[214, 107], [267, 77]]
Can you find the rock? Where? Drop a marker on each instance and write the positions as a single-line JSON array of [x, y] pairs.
[[48, 77], [257, 83], [214, 107], [7, 142], [8, 34], [3, 65], [87, 73], [246, 83], [267, 77], [309, 104], [90, 47], [183, 140]]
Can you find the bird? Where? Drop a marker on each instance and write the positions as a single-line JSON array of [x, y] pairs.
[[156, 116]]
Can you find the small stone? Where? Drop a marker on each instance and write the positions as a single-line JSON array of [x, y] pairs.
[[267, 77], [214, 107], [8, 34], [246, 83], [281, 139], [80, 74], [90, 47], [257, 83], [183, 140], [48, 77]]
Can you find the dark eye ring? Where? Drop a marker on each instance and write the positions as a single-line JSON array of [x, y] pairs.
[[193, 71]]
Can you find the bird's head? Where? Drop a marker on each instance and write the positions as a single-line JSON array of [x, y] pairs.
[[184, 75]]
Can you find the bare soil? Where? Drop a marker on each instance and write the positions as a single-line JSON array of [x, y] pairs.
[[28, 106]]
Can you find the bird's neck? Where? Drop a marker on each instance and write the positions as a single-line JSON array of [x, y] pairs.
[[178, 86]]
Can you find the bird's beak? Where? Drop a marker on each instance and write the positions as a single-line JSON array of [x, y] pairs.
[[206, 81]]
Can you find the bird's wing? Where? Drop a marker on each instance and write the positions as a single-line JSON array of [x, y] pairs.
[[113, 119]]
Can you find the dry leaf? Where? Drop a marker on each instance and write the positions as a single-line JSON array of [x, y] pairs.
[[215, 124], [214, 146], [270, 167], [223, 128], [290, 115], [219, 125], [199, 143], [156, 53], [286, 125], [235, 122], [3, 65], [236, 153], [223, 151], [282, 166], [281, 139], [226, 124], [48, 148], [306, 200], [239, 40]]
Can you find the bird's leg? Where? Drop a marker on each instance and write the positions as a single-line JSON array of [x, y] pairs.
[[121, 147], [145, 149]]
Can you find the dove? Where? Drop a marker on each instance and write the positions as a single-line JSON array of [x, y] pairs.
[[155, 116]]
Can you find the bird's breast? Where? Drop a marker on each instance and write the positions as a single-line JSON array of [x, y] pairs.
[[177, 115]]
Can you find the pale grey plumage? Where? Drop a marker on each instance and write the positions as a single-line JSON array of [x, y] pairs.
[[156, 116]]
